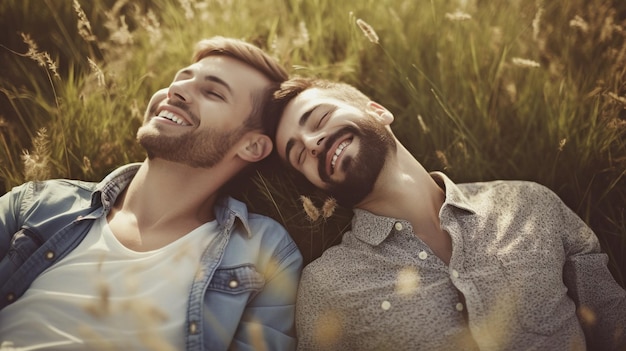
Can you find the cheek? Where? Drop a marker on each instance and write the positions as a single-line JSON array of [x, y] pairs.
[[154, 102], [310, 172]]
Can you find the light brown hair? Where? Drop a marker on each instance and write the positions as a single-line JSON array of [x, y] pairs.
[[255, 58]]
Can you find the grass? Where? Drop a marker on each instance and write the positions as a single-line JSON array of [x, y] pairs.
[[482, 90]]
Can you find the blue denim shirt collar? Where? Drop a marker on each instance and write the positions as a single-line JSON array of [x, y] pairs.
[[107, 191]]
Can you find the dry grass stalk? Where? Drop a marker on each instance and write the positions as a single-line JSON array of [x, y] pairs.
[[83, 25], [521, 62], [97, 72], [329, 207], [312, 212], [458, 16], [42, 58], [36, 162], [368, 30]]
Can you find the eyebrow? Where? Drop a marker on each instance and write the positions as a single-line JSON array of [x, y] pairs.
[[305, 116], [210, 78], [301, 122], [220, 81]]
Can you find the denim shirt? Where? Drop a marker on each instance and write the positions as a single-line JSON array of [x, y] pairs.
[[242, 295]]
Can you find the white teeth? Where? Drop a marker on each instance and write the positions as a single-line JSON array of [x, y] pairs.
[[337, 152], [172, 117]]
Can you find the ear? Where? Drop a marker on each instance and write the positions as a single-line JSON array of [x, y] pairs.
[[380, 112], [256, 147]]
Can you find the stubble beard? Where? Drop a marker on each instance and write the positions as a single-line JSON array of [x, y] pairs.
[[196, 149]]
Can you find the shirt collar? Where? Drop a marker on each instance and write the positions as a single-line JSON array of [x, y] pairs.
[[106, 192], [374, 229], [454, 196], [227, 209]]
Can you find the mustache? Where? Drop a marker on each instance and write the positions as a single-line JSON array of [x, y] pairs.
[[330, 141], [176, 103], [179, 104]]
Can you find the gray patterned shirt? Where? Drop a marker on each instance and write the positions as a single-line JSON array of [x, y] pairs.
[[522, 262]]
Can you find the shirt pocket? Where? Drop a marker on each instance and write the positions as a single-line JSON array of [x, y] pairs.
[[536, 290], [237, 280], [23, 244]]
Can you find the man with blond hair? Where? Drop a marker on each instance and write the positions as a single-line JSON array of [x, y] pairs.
[[433, 265], [155, 256]]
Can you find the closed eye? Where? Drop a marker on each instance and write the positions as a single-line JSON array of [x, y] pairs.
[[325, 117], [301, 155], [319, 123], [213, 93]]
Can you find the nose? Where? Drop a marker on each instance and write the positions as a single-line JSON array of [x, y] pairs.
[[314, 143], [178, 91]]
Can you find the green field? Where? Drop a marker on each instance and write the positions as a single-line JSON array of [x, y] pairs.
[[482, 90]]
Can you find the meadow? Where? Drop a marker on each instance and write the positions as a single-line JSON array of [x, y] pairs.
[[482, 90]]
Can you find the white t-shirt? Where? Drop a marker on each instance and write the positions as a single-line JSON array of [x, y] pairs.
[[103, 295]]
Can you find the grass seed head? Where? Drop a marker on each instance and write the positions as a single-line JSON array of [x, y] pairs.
[[369, 32], [312, 212], [36, 163], [458, 16], [521, 62], [443, 159], [580, 23], [329, 207], [97, 72], [83, 25]]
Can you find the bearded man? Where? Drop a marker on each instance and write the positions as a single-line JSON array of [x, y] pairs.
[[433, 265], [155, 256]]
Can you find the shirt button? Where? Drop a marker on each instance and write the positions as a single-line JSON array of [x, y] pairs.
[[422, 255], [193, 328], [49, 255], [233, 284], [10, 297], [459, 307], [398, 226], [455, 273]]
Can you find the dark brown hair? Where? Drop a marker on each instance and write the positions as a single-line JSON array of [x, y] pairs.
[[291, 88]]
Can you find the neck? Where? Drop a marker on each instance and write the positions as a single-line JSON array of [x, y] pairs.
[[164, 192], [405, 190]]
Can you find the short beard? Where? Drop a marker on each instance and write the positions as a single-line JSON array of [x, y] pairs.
[[198, 150], [362, 171]]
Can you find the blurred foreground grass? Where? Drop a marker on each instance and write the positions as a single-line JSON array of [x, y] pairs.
[[503, 89]]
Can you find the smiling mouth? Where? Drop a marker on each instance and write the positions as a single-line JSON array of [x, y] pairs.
[[338, 151], [173, 117]]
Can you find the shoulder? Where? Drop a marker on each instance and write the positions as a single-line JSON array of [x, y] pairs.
[[502, 192], [503, 187], [257, 236], [267, 227], [37, 201], [54, 190], [271, 233]]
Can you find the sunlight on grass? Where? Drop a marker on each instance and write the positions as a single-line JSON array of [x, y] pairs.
[[481, 90]]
